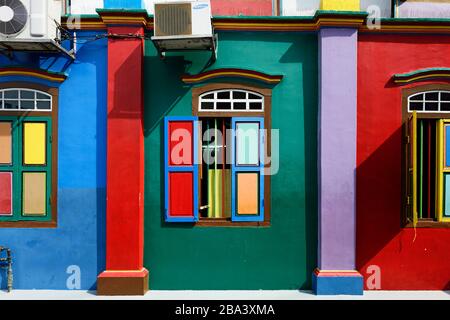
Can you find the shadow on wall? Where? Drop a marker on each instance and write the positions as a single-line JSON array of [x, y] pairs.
[[162, 92], [311, 175], [378, 209]]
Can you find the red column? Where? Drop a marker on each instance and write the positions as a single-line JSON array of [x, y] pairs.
[[125, 273]]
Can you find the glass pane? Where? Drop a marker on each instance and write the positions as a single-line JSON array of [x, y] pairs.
[[247, 193], [27, 105], [5, 193], [43, 105], [417, 97], [11, 94], [5, 143], [239, 106], [207, 105], [416, 106], [223, 105], [34, 137], [27, 94], [445, 106], [208, 96], [433, 96], [247, 143], [445, 96], [239, 95], [431, 106], [255, 106], [253, 96], [11, 104], [223, 95], [34, 193]]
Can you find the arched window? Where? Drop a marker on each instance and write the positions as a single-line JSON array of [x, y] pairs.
[[225, 176], [14, 99], [231, 100], [430, 101], [28, 156]]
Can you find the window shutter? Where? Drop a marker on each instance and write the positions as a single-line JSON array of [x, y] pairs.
[[181, 169], [247, 169], [411, 174]]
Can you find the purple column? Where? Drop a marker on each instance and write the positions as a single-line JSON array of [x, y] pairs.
[[337, 162]]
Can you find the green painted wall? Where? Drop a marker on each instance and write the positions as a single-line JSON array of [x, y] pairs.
[[281, 256]]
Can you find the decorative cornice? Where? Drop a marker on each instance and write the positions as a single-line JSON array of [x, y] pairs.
[[232, 73], [273, 23], [124, 17], [407, 25], [422, 75], [34, 73]]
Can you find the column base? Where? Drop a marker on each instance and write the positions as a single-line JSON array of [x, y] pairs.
[[122, 283], [327, 282]]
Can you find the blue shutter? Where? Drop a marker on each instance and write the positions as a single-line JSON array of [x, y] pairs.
[[247, 166], [181, 180]]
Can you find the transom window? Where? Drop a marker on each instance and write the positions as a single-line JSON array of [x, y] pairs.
[[231, 100], [25, 99], [431, 101]]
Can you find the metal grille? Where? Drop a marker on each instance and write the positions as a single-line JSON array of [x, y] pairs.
[[173, 19], [18, 21]]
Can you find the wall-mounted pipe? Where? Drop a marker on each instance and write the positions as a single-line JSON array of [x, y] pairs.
[[6, 263]]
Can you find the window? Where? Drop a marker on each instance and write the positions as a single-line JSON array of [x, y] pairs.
[[427, 157], [218, 176], [27, 156], [231, 100]]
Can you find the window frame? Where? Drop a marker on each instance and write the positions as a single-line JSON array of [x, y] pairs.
[[231, 100], [406, 94], [266, 93], [51, 117]]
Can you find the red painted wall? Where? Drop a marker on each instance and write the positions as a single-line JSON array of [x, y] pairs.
[[405, 263], [241, 7]]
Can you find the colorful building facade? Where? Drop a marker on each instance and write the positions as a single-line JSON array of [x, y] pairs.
[[343, 191]]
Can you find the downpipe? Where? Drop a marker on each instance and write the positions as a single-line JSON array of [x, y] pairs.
[[6, 263]]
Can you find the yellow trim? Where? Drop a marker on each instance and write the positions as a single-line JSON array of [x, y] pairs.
[[233, 74], [290, 26], [442, 169], [439, 168], [340, 5], [31, 74], [426, 76], [414, 167]]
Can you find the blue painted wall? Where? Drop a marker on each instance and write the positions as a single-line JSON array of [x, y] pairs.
[[42, 256]]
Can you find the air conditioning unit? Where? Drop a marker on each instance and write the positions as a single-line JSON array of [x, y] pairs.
[[30, 25], [183, 25]]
